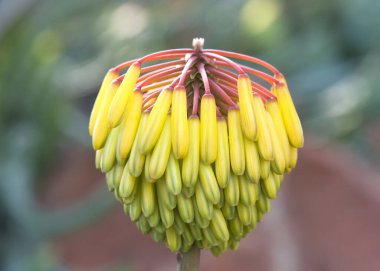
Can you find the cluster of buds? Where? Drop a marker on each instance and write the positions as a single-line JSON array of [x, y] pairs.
[[195, 145]]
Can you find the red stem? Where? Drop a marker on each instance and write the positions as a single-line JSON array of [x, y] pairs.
[[149, 108], [225, 74], [220, 92], [188, 64], [229, 90], [170, 52], [149, 74], [262, 91], [157, 85], [263, 75], [223, 106], [270, 79], [176, 80], [162, 65], [153, 58], [154, 76], [230, 85], [231, 63], [202, 71], [150, 95], [218, 114], [244, 57], [231, 77], [124, 65], [165, 56], [196, 98]]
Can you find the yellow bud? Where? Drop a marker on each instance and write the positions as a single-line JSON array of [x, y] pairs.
[[120, 100]]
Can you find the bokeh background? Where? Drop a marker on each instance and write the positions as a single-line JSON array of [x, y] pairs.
[[55, 212]]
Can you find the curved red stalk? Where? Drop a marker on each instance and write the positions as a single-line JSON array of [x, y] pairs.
[[158, 84], [189, 100], [149, 74], [220, 93], [228, 61], [176, 80], [154, 76], [225, 74], [145, 76], [124, 65], [188, 65], [163, 65], [229, 90], [172, 75], [202, 71], [230, 77], [270, 79], [150, 95], [154, 93], [262, 91], [218, 114], [263, 75], [120, 78], [223, 107], [165, 56], [149, 108], [230, 85], [196, 98], [244, 57], [154, 56]]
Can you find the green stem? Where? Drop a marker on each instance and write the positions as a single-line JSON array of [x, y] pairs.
[[189, 261]]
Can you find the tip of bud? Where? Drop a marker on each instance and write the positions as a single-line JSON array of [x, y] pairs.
[[208, 96], [244, 76], [280, 85], [137, 64], [198, 43], [179, 88], [118, 80]]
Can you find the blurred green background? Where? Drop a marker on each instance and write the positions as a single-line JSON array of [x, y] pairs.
[[53, 55]]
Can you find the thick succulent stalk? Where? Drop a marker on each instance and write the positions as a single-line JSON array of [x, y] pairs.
[[189, 261]]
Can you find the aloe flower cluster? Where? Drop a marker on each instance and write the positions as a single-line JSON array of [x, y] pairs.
[[194, 145]]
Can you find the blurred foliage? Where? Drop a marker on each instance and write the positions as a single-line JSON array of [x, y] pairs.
[[53, 55]]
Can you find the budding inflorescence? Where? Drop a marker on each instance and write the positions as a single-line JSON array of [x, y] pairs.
[[195, 145]]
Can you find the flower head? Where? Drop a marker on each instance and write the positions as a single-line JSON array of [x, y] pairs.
[[195, 145]]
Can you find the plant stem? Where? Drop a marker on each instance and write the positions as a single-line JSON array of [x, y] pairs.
[[202, 71], [189, 261], [244, 57]]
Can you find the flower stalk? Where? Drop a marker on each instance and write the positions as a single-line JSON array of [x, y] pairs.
[[189, 261]]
